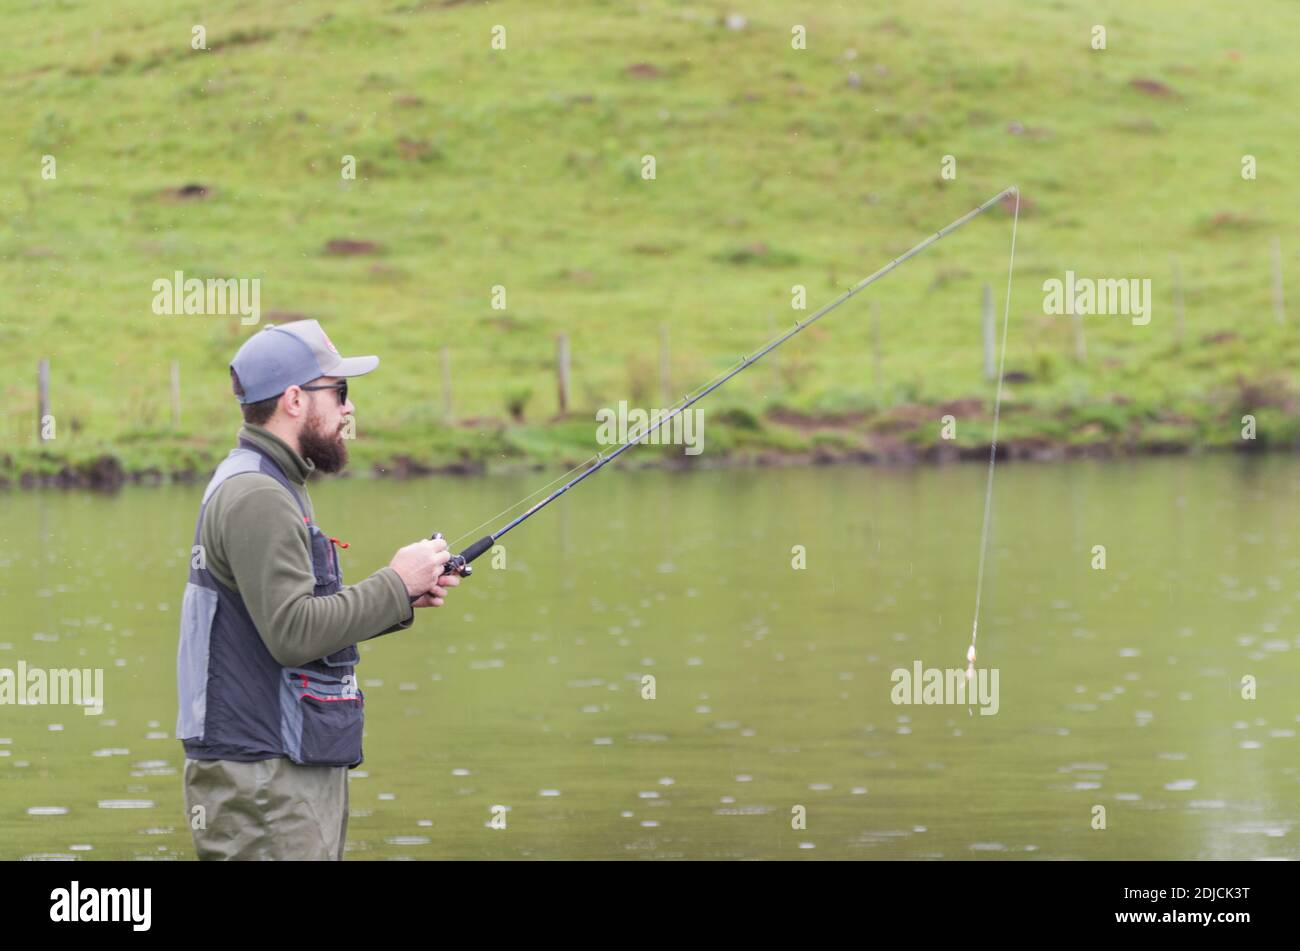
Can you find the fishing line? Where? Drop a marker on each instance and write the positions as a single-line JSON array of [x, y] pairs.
[[993, 456], [460, 563]]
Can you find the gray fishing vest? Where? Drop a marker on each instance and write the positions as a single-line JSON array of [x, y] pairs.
[[236, 702]]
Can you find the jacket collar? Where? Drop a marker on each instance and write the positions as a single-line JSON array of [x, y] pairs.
[[294, 466]]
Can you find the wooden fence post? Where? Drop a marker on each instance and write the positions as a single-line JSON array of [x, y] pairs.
[[42, 396], [1178, 298], [1278, 305], [990, 370], [562, 371], [665, 383], [876, 360], [776, 357], [176, 395], [446, 383]]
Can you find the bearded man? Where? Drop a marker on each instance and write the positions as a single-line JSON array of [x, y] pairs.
[[271, 715]]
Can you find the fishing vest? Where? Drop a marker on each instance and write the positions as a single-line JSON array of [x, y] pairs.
[[236, 701]]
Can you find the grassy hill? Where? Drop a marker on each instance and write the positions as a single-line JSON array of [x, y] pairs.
[[522, 167]]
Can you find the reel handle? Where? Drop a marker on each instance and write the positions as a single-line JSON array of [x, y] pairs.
[[456, 565], [459, 564]]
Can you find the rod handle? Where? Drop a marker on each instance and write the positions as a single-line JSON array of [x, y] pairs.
[[476, 549]]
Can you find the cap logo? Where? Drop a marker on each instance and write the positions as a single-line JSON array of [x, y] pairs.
[[330, 343]]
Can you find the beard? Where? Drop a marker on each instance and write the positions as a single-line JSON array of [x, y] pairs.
[[328, 451]]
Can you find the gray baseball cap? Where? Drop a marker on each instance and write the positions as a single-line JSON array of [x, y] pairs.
[[284, 355]]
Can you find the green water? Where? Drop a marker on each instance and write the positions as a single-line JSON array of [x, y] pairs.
[[1119, 688]]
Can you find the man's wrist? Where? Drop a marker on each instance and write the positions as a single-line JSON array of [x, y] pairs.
[[401, 598]]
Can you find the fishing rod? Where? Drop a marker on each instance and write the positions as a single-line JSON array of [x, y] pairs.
[[460, 564]]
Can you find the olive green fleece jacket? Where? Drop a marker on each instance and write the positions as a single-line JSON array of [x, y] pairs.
[[257, 544]]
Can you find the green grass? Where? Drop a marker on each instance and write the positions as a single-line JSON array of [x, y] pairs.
[[521, 168]]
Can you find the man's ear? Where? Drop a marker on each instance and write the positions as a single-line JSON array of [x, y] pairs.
[[293, 402]]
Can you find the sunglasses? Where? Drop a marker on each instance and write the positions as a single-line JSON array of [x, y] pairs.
[[341, 386]]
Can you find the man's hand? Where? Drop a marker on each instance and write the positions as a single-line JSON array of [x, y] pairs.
[[434, 598], [420, 568]]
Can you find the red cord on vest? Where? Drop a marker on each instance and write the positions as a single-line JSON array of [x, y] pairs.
[[332, 538]]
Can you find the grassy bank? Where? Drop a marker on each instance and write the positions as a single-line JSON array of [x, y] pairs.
[[908, 434], [522, 169]]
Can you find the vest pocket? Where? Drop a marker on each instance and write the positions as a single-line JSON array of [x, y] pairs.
[[324, 716], [322, 561]]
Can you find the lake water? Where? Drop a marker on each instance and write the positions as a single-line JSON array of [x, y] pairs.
[[1119, 688]]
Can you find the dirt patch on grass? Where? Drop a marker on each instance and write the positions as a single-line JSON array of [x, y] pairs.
[[758, 253], [811, 422], [238, 38], [412, 150], [1152, 87], [350, 247], [1214, 340], [1141, 126], [1027, 205], [904, 418], [1019, 128], [1231, 221], [191, 192], [487, 423], [1255, 394], [968, 408]]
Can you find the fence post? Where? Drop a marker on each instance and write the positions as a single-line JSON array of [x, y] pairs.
[[875, 348], [562, 371], [990, 371], [665, 384], [1178, 297], [446, 382], [776, 357], [176, 395], [42, 397], [1277, 280]]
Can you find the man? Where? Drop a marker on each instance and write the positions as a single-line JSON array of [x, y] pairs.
[[270, 712]]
